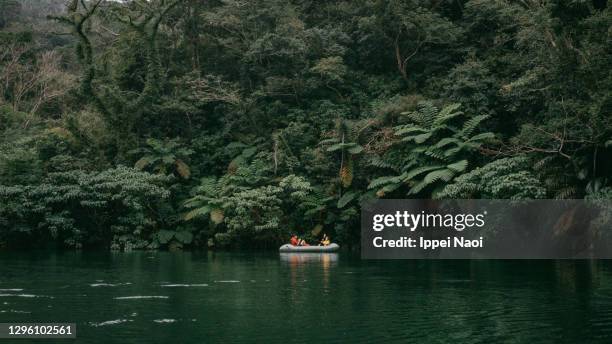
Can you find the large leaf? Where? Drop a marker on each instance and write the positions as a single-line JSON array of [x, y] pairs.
[[235, 145], [249, 152], [338, 146], [471, 124], [403, 130], [436, 154], [422, 138], [380, 181], [164, 236], [388, 188], [452, 151], [169, 159], [459, 166], [448, 140], [154, 143], [420, 170], [329, 141], [418, 187], [482, 136], [418, 138], [184, 236], [355, 150], [346, 198], [197, 212], [444, 175], [447, 113]]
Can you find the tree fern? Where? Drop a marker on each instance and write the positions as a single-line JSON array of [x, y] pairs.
[[164, 157], [346, 142], [432, 144]]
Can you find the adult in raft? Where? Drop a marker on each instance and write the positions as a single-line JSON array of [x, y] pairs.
[[324, 240], [295, 241]]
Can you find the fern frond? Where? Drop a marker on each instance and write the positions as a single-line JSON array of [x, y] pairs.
[[418, 138], [329, 141], [471, 124], [408, 129], [444, 175], [482, 137], [447, 113], [436, 154], [355, 149], [418, 187], [196, 213], [380, 181], [428, 113], [459, 166], [388, 188], [452, 151], [420, 170], [377, 161], [346, 198], [447, 141]]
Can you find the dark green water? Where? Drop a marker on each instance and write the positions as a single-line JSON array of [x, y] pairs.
[[240, 298]]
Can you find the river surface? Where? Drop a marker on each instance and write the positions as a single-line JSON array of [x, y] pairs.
[[162, 297]]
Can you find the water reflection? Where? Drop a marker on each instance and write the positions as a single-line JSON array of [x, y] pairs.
[[299, 262], [296, 259]]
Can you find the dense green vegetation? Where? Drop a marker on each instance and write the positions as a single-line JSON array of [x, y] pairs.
[[188, 123]]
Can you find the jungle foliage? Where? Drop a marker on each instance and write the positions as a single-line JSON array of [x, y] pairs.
[[185, 123]]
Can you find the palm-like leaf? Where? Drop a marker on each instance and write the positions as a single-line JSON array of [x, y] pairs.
[[435, 147], [471, 125]]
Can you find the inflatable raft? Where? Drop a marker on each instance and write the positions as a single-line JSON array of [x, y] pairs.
[[333, 247]]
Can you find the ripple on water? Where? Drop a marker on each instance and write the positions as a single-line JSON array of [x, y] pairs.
[[110, 322], [141, 297], [183, 285], [108, 284], [15, 311], [227, 281], [13, 289], [164, 321], [25, 295]]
